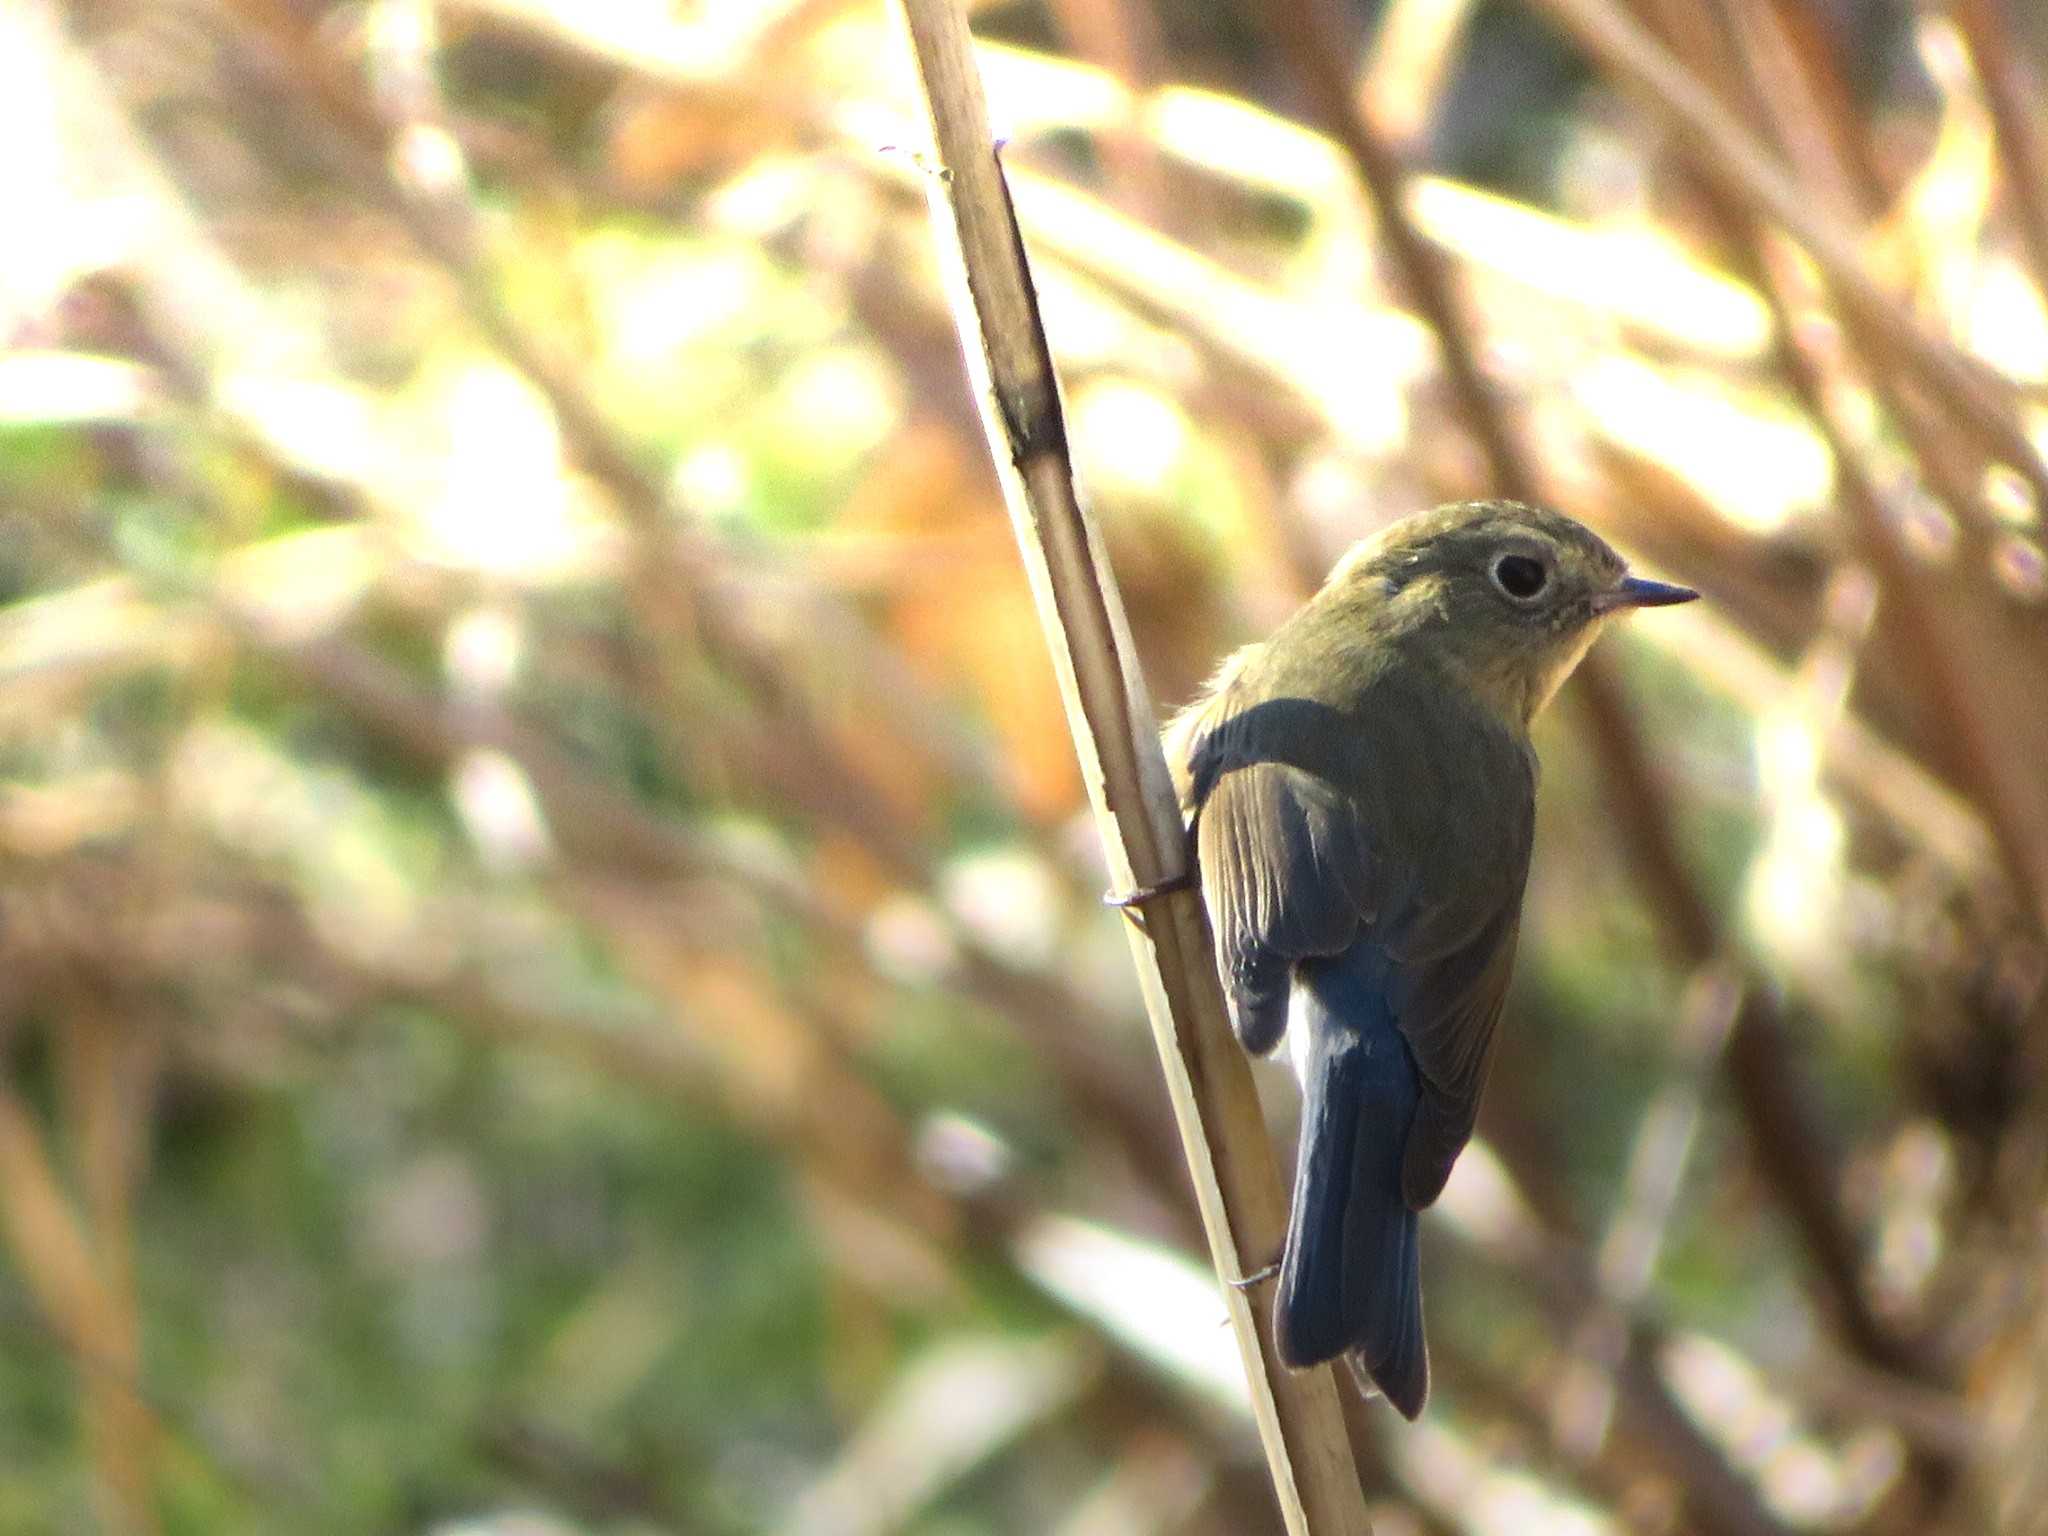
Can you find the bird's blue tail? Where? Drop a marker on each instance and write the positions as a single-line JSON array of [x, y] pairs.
[[1351, 1281]]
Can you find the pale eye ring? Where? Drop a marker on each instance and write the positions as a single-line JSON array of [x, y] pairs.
[[1521, 578]]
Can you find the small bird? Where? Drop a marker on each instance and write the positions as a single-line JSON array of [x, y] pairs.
[[1361, 789]]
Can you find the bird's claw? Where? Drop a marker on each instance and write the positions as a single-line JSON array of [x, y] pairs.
[[1133, 900], [1246, 1282]]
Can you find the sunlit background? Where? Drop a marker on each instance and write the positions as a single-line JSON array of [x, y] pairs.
[[552, 977]]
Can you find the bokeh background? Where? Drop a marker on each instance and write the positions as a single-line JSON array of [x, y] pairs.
[[551, 970]]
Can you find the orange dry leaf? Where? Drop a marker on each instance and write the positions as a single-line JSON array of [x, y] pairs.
[[956, 602]]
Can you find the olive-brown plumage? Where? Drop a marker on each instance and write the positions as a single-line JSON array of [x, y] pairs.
[[1362, 792]]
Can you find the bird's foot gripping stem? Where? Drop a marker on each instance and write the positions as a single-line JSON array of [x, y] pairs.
[[1134, 900], [1132, 903], [1246, 1282]]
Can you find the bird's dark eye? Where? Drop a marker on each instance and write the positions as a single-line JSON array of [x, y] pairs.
[[1520, 576]]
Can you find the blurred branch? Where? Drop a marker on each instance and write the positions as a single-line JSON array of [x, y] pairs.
[[678, 598], [280, 595], [1724, 152], [106, 1070], [422, 178], [2013, 100], [271, 1487], [610, 827], [1777, 1105], [580, 1478], [1811, 36], [1122, 37], [47, 1238], [1414, 53], [1314, 42], [89, 1308], [946, 1412], [1630, 1249], [1820, 393], [1860, 763], [1223, 1131], [1153, 1488], [1935, 1421], [1812, 1193], [1181, 291], [1951, 644], [1554, 1272]]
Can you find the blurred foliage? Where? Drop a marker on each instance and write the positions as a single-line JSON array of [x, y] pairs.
[[553, 974]]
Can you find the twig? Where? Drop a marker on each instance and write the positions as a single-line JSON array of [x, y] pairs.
[[1223, 1132]]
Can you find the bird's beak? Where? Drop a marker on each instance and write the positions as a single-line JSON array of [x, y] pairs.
[[1640, 592]]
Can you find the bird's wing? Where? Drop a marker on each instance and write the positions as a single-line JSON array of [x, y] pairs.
[[1448, 1012], [1285, 872], [1291, 871]]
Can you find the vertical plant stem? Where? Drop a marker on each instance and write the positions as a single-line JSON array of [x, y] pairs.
[[1223, 1132]]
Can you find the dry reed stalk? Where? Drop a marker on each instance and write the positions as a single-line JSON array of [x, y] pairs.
[[1223, 1132]]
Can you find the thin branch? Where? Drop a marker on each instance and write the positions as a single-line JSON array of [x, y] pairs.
[[1223, 1132]]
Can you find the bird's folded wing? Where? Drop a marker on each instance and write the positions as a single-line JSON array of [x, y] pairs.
[[1286, 872], [1448, 1010], [1291, 871]]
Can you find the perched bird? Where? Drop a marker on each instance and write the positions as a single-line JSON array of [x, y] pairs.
[[1362, 791]]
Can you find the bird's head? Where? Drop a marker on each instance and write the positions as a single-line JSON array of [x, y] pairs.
[[1507, 597]]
